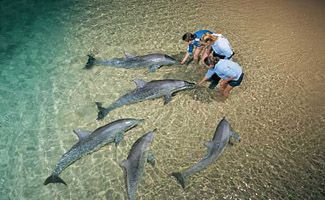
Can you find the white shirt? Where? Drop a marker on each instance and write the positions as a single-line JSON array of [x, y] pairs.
[[226, 69], [222, 46]]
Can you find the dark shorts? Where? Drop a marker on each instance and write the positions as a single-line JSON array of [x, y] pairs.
[[236, 83], [214, 80], [221, 56]]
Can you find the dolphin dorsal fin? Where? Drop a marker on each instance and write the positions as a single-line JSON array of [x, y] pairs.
[[124, 164], [81, 133], [128, 55], [139, 83], [211, 145], [208, 144]]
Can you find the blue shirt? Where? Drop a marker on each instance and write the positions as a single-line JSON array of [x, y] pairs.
[[225, 69], [196, 42], [222, 46]]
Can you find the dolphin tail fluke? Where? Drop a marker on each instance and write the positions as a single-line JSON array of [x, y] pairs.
[[90, 63], [102, 112], [180, 178], [54, 179]]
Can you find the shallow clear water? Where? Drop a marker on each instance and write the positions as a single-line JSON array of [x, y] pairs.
[[278, 110]]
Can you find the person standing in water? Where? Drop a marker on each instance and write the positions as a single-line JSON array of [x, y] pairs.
[[194, 43], [230, 72]]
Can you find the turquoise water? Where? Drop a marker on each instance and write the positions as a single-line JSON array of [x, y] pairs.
[[35, 57], [45, 94]]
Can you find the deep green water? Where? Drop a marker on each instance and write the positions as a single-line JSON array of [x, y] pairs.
[[45, 94]]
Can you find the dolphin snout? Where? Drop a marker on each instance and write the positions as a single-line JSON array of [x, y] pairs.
[[140, 121], [137, 122], [190, 85], [150, 136]]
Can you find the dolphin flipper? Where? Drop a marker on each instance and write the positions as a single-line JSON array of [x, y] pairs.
[[167, 98], [151, 158], [235, 136], [180, 178], [153, 68], [118, 138]]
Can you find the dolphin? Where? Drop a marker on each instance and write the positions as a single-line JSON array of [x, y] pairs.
[[134, 165], [90, 142], [152, 61], [144, 91], [216, 146]]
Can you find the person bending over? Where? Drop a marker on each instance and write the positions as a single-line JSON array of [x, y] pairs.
[[194, 43], [218, 44], [230, 72]]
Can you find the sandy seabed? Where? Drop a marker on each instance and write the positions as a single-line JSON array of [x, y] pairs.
[[278, 110]]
